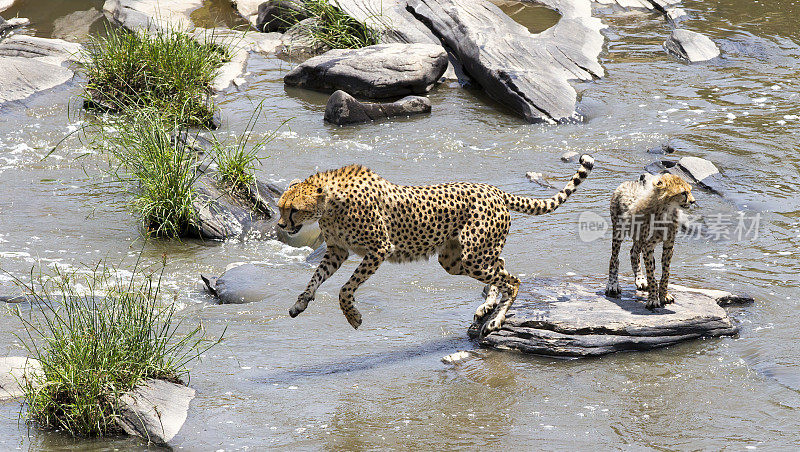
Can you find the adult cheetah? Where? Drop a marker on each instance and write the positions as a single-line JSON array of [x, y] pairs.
[[466, 224], [647, 211]]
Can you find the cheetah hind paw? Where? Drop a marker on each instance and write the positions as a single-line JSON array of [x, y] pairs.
[[300, 305], [653, 303], [491, 326]]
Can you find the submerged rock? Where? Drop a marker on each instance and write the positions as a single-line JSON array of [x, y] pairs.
[[379, 71], [155, 410], [280, 15], [32, 64], [691, 46], [343, 108], [240, 283], [528, 73], [562, 318], [14, 370]]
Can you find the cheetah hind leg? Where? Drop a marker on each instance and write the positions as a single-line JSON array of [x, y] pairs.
[[493, 298]]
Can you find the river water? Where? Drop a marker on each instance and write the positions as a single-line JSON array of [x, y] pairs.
[[314, 383]]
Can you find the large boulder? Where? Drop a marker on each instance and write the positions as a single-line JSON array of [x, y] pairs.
[[32, 64], [691, 46], [151, 15], [155, 410], [14, 371], [379, 71], [565, 318], [343, 109], [528, 73]]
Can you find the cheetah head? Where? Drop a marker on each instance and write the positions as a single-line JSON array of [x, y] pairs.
[[301, 204], [673, 190]]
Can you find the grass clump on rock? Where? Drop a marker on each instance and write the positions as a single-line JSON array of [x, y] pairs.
[[166, 70], [336, 29], [98, 335], [147, 155]]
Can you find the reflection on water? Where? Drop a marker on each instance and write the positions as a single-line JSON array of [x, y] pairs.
[[314, 383]]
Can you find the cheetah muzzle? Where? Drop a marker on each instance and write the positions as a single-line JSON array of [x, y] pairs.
[[465, 224]]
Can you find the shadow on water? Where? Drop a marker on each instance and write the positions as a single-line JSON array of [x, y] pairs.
[[369, 361]]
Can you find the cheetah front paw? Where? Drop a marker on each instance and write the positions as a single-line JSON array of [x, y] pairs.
[[612, 290], [301, 304], [354, 318], [641, 283]]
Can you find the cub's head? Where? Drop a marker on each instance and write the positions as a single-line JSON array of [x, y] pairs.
[[673, 190], [301, 204]]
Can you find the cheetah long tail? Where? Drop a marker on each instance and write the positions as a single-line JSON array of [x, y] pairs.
[[533, 206]]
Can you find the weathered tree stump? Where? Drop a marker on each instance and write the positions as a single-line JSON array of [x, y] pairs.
[[565, 318]]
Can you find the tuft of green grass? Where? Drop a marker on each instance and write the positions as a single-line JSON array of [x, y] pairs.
[[97, 335], [333, 28], [166, 70], [147, 154]]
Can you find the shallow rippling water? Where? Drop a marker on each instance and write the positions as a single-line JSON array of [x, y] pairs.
[[314, 383]]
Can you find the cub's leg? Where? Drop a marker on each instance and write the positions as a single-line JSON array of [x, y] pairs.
[[650, 271], [334, 256], [665, 297], [612, 288], [639, 277], [365, 269]]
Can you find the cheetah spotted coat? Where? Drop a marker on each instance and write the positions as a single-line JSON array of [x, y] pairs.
[[466, 224]]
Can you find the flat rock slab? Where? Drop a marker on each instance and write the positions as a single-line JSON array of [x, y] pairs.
[[691, 46], [32, 64], [151, 14], [344, 109], [528, 73], [155, 410], [13, 371], [379, 71], [564, 318]]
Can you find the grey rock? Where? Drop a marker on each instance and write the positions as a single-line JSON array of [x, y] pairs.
[[76, 26], [13, 299], [32, 64], [151, 15], [155, 410], [240, 283], [343, 109], [539, 179], [390, 18], [691, 46], [565, 318], [569, 156], [695, 170], [379, 71], [14, 371], [12, 24], [528, 73], [280, 15]]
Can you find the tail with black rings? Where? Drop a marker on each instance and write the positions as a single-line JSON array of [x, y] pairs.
[[534, 206]]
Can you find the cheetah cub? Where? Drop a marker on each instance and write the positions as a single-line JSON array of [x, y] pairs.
[[647, 211]]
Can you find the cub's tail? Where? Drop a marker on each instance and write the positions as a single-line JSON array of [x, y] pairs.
[[533, 206]]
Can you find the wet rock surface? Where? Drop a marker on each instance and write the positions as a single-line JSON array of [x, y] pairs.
[[528, 73], [13, 371], [32, 64], [379, 71], [155, 410], [343, 109], [240, 283], [691, 46], [162, 14], [696, 170], [565, 318], [279, 15]]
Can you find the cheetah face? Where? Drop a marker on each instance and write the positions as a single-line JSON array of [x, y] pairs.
[[299, 205], [674, 190]]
